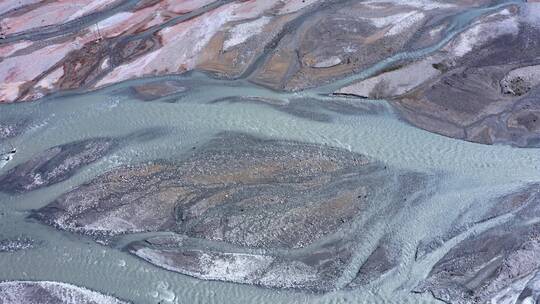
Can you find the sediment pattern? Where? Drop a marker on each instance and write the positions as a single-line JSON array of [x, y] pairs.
[[281, 44], [281, 144]]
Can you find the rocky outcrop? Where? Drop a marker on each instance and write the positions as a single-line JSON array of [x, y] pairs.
[[520, 81], [44, 292]]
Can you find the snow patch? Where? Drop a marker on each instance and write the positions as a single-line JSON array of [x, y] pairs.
[[421, 4], [183, 43], [242, 32], [531, 14], [92, 6], [234, 267], [24, 292], [114, 20], [49, 81], [114, 223], [398, 22], [482, 33], [289, 275], [328, 62], [405, 23]]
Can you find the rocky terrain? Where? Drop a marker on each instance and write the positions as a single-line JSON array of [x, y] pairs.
[[290, 46], [269, 143], [498, 265], [274, 43], [290, 215], [481, 87], [44, 292], [54, 165], [238, 194], [59, 163]]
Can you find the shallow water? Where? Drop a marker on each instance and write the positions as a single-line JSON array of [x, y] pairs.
[[467, 174]]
